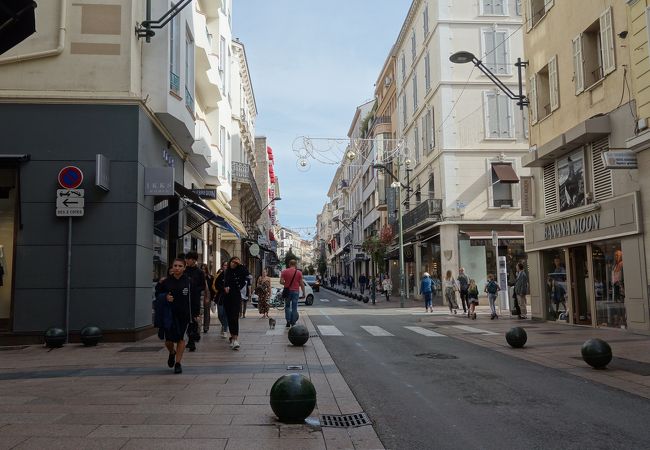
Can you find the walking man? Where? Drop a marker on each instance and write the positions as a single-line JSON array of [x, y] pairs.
[[363, 281], [291, 278], [463, 288], [198, 286], [521, 290]]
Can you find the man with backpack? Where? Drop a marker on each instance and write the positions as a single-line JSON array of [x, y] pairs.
[[463, 285], [492, 289]]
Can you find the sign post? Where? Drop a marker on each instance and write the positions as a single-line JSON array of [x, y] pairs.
[[69, 203]]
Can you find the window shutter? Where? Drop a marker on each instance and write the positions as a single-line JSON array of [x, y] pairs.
[[548, 4], [532, 98], [489, 37], [550, 190], [499, 7], [415, 93], [603, 188], [505, 116], [529, 15], [607, 41], [416, 145], [487, 7], [578, 68], [553, 83], [647, 27], [501, 51], [425, 144], [432, 130], [491, 116]]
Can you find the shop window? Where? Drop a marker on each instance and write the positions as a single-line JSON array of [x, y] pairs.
[[556, 294], [571, 180], [609, 284], [8, 196], [495, 48]]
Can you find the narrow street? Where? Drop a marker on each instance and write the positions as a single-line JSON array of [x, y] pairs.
[[436, 391]]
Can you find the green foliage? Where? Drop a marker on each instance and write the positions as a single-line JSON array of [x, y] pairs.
[[321, 265], [288, 257]]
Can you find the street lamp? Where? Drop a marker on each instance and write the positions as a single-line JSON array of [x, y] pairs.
[[397, 184], [464, 57], [273, 200]]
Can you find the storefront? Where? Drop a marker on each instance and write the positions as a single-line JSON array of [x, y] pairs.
[[579, 255]]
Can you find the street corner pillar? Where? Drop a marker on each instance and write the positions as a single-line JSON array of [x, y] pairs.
[[449, 252]]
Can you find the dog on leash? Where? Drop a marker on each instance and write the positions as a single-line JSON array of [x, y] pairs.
[[271, 323]]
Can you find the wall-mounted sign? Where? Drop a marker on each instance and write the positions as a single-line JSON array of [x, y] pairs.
[[70, 177], [254, 250], [620, 159], [527, 196], [159, 181], [102, 171], [572, 226], [206, 193]]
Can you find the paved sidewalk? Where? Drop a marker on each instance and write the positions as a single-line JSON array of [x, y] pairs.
[[123, 396]]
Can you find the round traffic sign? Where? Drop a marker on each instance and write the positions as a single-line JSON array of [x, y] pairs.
[[70, 177]]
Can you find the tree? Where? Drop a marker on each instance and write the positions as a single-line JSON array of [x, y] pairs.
[[321, 265], [377, 245], [310, 269], [288, 257]]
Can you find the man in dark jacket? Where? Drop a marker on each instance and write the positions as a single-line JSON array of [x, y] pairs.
[[521, 290], [199, 285], [363, 282]]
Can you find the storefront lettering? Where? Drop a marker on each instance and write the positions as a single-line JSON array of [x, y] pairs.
[[570, 227]]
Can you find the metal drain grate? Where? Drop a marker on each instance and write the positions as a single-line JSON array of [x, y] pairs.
[[344, 421], [294, 367], [141, 349], [435, 356]]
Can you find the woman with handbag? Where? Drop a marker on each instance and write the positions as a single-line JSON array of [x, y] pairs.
[[236, 277], [450, 285], [263, 291]]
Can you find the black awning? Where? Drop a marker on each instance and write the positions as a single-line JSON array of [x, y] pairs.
[[17, 22], [184, 192]]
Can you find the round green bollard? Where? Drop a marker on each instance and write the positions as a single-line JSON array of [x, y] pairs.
[[55, 337], [293, 398], [516, 337], [90, 336], [597, 353], [298, 335]]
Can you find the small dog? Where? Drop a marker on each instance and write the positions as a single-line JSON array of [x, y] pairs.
[[271, 323]]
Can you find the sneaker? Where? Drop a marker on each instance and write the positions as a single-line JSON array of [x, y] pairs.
[[171, 359], [178, 368], [235, 345]]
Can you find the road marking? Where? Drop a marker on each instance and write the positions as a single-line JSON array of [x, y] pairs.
[[473, 330], [324, 300], [341, 299], [425, 332], [329, 330], [376, 331], [275, 332]]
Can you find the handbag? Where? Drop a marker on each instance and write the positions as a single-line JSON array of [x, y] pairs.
[[286, 291]]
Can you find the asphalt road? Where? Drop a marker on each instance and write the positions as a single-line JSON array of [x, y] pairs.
[[437, 392]]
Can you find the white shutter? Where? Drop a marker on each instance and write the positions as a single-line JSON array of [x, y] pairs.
[[490, 59], [499, 7], [550, 190], [425, 135], [578, 67], [607, 41], [547, 5], [603, 188], [647, 26], [529, 15], [487, 7], [553, 83], [532, 99], [491, 116], [505, 116], [501, 45]]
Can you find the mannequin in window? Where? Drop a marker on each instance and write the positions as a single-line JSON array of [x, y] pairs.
[[618, 284]]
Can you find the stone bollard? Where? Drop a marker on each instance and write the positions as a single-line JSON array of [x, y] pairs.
[[293, 398], [516, 337]]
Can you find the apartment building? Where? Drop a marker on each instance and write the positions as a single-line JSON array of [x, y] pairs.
[[463, 139], [588, 213], [141, 117]]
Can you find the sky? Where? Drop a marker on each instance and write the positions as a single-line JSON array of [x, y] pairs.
[[312, 63]]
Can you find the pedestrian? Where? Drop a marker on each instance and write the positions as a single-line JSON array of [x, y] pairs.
[[263, 291], [245, 296], [387, 285], [235, 278], [450, 286], [199, 285], [173, 312], [426, 290], [363, 281], [208, 297], [291, 279], [218, 286], [472, 298], [521, 290], [463, 286], [492, 288]]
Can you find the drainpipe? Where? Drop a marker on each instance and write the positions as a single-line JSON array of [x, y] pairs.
[[46, 53]]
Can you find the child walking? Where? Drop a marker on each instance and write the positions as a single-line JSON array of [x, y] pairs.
[[492, 288], [472, 297]]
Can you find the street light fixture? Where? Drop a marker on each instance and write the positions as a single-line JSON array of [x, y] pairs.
[[272, 200], [464, 57]]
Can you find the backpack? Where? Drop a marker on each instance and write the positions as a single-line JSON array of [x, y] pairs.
[[492, 287]]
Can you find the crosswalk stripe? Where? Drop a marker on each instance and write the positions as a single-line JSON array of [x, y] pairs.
[[425, 332], [341, 299], [324, 300], [473, 330], [376, 331], [329, 330]]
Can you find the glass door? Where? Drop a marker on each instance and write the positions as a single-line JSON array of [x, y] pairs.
[[579, 276]]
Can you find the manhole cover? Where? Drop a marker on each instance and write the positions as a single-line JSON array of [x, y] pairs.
[[344, 421], [435, 356], [141, 349]]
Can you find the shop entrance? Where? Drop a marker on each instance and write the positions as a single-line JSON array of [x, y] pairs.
[[580, 276], [8, 193]]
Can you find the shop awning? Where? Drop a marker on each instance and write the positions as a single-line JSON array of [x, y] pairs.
[[209, 215], [505, 173], [221, 210], [488, 234]]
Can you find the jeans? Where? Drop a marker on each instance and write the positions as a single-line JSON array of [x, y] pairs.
[[428, 301], [492, 298], [464, 299], [291, 308]]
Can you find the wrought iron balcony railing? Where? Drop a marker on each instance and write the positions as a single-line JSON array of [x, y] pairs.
[[242, 173], [427, 209]]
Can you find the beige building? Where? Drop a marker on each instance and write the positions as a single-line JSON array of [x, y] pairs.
[[588, 221]]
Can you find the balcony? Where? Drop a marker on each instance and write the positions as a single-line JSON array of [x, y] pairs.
[[427, 211], [174, 83], [242, 173], [380, 120]]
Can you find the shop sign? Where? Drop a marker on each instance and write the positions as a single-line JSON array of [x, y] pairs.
[[620, 159], [573, 226], [206, 193], [527, 194], [159, 181]]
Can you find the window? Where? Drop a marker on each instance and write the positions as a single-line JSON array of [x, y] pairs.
[[189, 71], [175, 54], [413, 52], [432, 186], [416, 145], [494, 7], [418, 195], [427, 72], [537, 9], [498, 116], [425, 20], [415, 93], [428, 132], [403, 110], [495, 45], [222, 63], [544, 91], [593, 52], [550, 190], [501, 193], [403, 68], [518, 7]]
